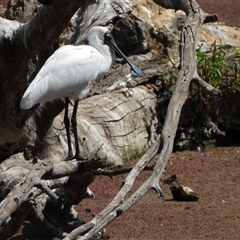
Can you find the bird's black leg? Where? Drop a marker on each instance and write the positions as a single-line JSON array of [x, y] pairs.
[[67, 124], [74, 126]]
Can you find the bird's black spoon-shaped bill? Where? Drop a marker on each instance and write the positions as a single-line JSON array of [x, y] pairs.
[[133, 66]]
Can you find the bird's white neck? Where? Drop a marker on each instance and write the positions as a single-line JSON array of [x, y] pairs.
[[107, 53]]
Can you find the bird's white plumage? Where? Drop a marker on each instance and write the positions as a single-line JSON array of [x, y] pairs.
[[71, 71]]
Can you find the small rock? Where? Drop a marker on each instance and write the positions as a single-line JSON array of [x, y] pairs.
[[183, 193]]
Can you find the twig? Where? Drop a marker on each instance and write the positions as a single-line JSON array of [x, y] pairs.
[[207, 87], [43, 186], [115, 172]]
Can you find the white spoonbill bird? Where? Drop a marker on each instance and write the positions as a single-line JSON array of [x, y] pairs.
[[71, 72]]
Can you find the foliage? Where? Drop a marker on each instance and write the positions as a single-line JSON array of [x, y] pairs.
[[216, 68], [219, 67]]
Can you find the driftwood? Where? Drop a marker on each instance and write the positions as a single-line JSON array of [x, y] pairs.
[[51, 191]]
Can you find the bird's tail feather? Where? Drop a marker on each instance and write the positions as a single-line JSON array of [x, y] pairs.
[[26, 103]]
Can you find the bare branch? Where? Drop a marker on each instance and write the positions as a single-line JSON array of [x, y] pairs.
[[118, 199], [115, 172], [66, 168], [43, 186], [194, 21], [30, 35], [21, 190], [207, 87]]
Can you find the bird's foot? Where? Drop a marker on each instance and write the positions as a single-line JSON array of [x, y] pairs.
[[76, 156], [80, 158]]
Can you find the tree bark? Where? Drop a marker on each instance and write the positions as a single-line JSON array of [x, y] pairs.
[[113, 126]]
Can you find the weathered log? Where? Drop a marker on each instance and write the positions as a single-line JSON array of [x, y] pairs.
[[115, 127]]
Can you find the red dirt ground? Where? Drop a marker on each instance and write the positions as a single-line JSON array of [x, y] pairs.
[[226, 10], [214, 175]]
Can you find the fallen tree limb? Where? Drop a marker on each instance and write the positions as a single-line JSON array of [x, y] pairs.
[[44, 170], [68, 168], [118, 199], [196, 17], [21, 190], [111, 173], [206, 86]]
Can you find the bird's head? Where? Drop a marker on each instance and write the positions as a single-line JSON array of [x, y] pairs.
[[102, 35], [97, 33]]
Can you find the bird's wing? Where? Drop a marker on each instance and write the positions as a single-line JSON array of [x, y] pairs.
[[70, 71]]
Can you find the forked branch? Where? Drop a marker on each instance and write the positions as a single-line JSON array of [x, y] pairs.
[[21, 190], [56, 174], [196, 17]]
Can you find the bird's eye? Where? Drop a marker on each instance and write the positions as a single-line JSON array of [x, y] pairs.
[[108, 36]]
